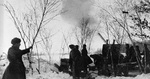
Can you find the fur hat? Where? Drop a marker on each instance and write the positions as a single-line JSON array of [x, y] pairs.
[[15, 40], [71, 46]]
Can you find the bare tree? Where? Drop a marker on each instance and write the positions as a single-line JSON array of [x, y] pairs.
[[19, 24], [138, 14], [140, 17], [113, 29], [120, 19], [29, 25], [46, 42], [85, 32], [65, 44], [125, 26]]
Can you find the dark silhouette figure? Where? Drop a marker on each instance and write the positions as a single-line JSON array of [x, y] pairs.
[[127, 50], [126, 59], [138, 52], [16, 68], [86, 58], [72, 47], [100, 64], [74, 61], [132, 54], [78, 62]]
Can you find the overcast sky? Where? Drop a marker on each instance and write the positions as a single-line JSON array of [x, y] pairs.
[[62, 23]]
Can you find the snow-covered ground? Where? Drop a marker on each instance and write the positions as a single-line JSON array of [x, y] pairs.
[[49, 71], [49, 75]]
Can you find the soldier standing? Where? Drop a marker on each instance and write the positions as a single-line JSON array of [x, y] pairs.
[[70, 56], [16, 68], [74, 61], [86, 58]]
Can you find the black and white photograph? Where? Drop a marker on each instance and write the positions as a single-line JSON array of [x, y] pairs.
[[74, 39]]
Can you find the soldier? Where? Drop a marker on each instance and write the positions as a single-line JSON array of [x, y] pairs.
[[132, 54], [74, 61], [127, 50], [70, 55], [126, 60], [78, 62], [16, 68], [86, 58]]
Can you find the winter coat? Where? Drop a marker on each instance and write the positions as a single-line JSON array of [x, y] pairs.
[[16, 68], [74, 57], [86, 59], [75, 61]]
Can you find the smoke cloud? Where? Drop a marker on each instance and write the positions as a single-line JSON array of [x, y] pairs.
[[76, 10]]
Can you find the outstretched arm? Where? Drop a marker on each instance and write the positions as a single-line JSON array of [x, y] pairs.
[[26, 50]]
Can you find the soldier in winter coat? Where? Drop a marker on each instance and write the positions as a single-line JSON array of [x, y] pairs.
[[86, 58], [70, 56], [74, 61], [16, 68]]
